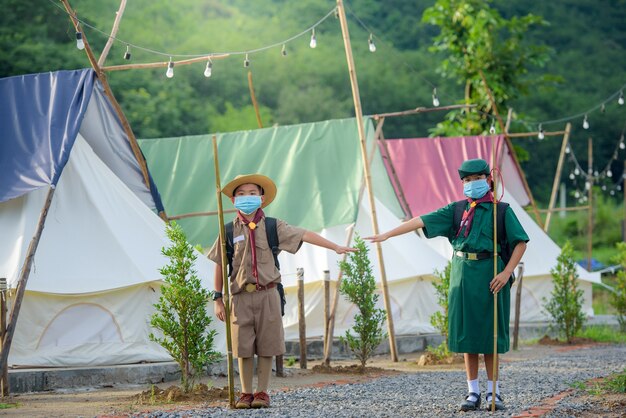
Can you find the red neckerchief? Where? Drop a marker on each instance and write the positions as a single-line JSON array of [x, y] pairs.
[[252, 225], [468, 215]]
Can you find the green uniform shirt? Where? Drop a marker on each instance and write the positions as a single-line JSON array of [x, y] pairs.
[[470, 302]]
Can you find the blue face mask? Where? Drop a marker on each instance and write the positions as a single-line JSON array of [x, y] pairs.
[[247, 204], [476, 189]]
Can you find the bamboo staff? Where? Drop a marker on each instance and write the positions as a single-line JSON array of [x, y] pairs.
[[225, 279], [590, 194], [255, 104], [368, 181]]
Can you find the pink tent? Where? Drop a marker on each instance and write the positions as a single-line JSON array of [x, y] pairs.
[[427, 168]]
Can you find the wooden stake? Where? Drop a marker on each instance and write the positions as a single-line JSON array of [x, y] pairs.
[[116, 26], [254, 102], [301, 319], [368, 181], [518, 303], [590, 204], [225, 278], [7, 338], [4, 378], [420, 110], [326, 306], [557, 177]]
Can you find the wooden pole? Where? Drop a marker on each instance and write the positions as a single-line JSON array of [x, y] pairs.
[[194, 214], [164, 64], [518, 303], [301, 319], [7, 337], [116, 106], [326, 306], [624, 202], [253, 98], [225, 278], [557, 176], [495, 267], [368, 181], [116, 26], [420, 110], [590, 204], [4, 379]]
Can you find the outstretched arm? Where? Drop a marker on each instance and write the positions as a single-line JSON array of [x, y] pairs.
[[403, 228], [316, 239]]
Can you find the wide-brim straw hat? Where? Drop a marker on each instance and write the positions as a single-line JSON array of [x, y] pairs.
[[267, 185]]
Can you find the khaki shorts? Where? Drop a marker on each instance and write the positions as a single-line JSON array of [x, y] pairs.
[[256, 324]]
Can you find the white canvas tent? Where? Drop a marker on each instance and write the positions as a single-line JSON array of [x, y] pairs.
[[95, 276]]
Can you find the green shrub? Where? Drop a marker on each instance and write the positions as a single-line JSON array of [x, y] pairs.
[[618, 298], [565, 304], [181, 314], [359, 286], [439, 319]]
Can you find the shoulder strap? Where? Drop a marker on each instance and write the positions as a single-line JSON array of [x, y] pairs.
[[459, 208], [272, 238], [501, 211], [228, 232]]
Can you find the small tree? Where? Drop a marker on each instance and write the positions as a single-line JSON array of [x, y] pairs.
[[565, 305], [618, 298], [359, 286], [439, 319], [181, 311]]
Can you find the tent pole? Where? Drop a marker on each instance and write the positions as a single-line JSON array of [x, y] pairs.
[[590, 204], [396, 181], [368, 180], [254, 102], [23, 279], [225, 278], [116, 26], [557, 177], [109, 93]]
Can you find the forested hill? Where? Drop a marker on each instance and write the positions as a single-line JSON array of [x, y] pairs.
[[588, 55]]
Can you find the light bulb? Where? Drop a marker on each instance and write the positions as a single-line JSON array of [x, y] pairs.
[[620, 99], [540, 135], [246, 61], [283, 51], [576, 194], [170, 69], [80, 44], [572, 176], [604, 187], [587, 185], [492, 128], [435, 98], [602, 108], [127, 53], [585, 123], [612, 192], [619, 188], [209, 69], [372, 46], [621, 144], [576, 171], [609, 173], [313, 42], [595, 173], [567, 149]]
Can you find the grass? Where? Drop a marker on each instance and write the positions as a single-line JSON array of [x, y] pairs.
[[601, 300], [7, 405], [602, 334]]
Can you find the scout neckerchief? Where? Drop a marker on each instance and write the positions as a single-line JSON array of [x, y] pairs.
[[468, 215], [252, 225]]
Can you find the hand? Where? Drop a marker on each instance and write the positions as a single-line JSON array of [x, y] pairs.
[[220, 311], [499, 282], [342, 250], [377, 238]]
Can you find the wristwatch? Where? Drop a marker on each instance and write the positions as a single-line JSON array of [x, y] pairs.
[[217, 295]]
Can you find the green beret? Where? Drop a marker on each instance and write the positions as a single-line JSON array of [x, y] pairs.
[[476, 166]]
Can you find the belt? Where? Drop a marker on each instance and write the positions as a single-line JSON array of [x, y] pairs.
[[474, 256], [252, 287]]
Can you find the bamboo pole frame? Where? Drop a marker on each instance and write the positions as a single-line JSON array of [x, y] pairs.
[[225, 278], [590, 204], [557, 177], [254, 102], [116, 26], [420, 109], [162, 64], [368, 181]]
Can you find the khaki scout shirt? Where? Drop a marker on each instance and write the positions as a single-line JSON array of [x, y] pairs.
[[289, 239]]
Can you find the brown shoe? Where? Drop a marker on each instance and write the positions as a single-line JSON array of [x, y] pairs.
[[261, 400], [245, 400]]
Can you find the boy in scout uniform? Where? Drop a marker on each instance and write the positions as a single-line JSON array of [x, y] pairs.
[[256, 322], [470, 298]]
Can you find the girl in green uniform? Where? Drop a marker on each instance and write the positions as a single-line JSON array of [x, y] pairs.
[[472, 285]]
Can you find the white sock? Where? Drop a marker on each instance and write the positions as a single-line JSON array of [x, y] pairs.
[[473, 386], [490, 387]]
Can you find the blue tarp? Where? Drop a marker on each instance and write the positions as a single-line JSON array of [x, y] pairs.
[[40, 118]]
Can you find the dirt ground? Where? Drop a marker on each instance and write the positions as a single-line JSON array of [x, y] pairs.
[[121, 401]]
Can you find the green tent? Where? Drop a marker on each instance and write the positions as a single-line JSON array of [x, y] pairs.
[[317, 168]]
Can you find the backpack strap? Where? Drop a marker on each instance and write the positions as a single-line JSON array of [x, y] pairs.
[[271, 231], [228, 233], [459, 208]]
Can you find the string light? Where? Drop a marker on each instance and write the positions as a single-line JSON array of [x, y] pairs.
[[372, 46], [572, 176], [541, 134], [585, 123], [576, 171], [80, 44], [313, 42], [127, 53], [208, 71], [609, 173], [492, 128], [620, 99], [283, 51], [246, 61], [567, 149], [435, 98], [170, 69]]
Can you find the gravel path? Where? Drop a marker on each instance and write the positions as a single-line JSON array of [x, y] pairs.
[[436, 394]]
